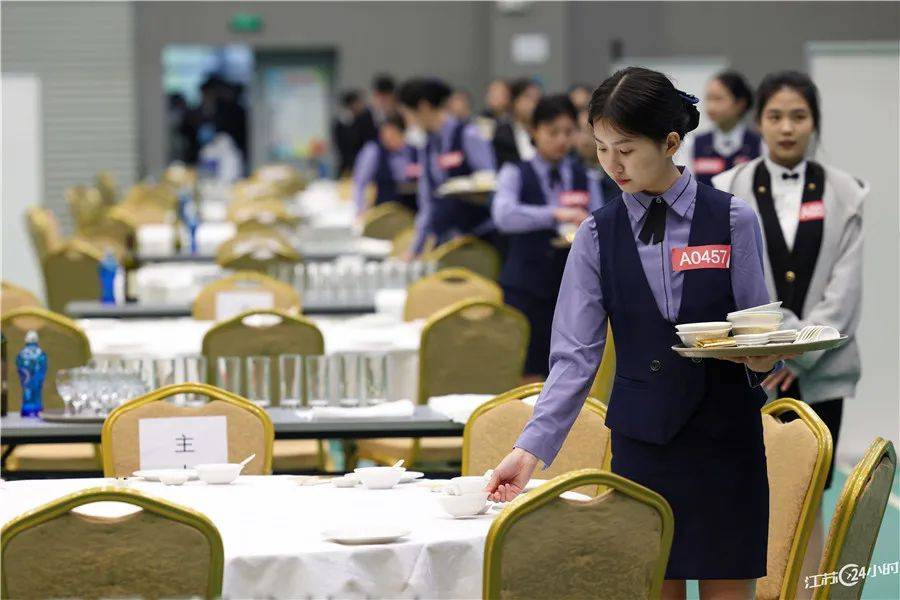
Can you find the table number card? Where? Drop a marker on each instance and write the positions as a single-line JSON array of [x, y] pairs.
[[182, 442], [231, 303]]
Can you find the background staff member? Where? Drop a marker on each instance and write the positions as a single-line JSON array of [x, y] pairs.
[[512, 138], [812, 219], [730, 142], [388, 162], [670, 430], [533, 198], [454, 149]]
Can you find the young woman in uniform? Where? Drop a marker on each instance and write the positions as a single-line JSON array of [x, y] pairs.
[[391, 164]]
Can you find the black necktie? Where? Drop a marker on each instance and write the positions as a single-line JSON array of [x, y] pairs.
[[555, 177], [654, 229], [787, 176]]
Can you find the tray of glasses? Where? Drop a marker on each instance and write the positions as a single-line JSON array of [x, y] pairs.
[[761, 350], [60, 416]]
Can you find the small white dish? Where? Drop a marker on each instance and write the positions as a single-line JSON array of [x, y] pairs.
[[411, 476], [369, 534], [379, 478], [691, 338], [174, 477], [219, 473], [756, 329], [753, 318], [345, 482], [752, 339], [154, 474], [472, 484], [709, 326], [464, 505]]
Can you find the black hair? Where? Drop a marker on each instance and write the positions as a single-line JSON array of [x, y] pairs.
[[433, 91], [395, 120], [517, 87], [795, 80], [410, 92], [383, 83], [550, 107], [735, 83], [644, 102], [349, 97]]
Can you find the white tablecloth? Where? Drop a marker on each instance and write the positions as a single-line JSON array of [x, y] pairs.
[[271, 529]]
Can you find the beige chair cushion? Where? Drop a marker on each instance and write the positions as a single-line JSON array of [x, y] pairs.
[[297, 455], [71, 273], [13, 297], [607, 547], [469, 252], [43, 229], [55, 457], [245, 431], [791, 452], [78, 556], [286, 298], [387, 220], [445, 288], [431, 450]]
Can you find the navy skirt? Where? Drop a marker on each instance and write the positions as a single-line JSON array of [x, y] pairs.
[[719, 493]]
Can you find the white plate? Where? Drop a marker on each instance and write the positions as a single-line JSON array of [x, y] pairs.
[[411, 476], [153, 474], [694, 327], [374, 534]]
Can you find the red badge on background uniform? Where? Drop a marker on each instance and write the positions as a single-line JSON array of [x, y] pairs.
[[450, 160], [701, 257], [413, 171], [710, 165], [741, 159], [812, 211], [574, 198]]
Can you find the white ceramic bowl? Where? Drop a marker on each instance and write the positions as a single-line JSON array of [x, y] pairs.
[[692, 327], [218, 473], [757, 318], [379, 478], [761, 308], [472, 484], [691, 338], [466, 505], [174, 476]]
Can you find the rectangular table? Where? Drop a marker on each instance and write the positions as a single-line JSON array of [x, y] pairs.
[[311, 251], [425, 422], [93, 309]]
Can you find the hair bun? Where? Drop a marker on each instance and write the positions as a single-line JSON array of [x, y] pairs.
[[693, 117]]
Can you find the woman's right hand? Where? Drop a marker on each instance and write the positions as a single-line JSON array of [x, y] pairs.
[[511, 475]]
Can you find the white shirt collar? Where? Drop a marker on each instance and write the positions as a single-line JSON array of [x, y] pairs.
[[776, 171], [731, 140]]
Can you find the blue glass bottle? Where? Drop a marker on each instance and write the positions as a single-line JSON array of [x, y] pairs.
[[189, 215], [108, 268], [31, 363]]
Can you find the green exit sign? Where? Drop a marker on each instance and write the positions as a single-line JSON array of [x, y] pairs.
[[246, 23]]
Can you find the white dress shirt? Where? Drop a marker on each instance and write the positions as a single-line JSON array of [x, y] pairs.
[[787, 195], [523, 142]]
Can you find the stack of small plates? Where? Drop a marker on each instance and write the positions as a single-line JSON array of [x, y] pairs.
[[757, 320], [691, 333]]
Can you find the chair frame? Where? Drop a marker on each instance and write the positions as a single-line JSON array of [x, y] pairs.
[[520, 393], [53, 317], [524, 505], [448, 273], [164, 508], [846, 508], [161, 394], [814, 492]]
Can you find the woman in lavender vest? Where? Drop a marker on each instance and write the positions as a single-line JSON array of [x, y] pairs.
[[535, 201], [391, 164], [689, 429], [730, 142]]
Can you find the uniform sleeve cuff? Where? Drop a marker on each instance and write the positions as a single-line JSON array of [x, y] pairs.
[[543, 452]]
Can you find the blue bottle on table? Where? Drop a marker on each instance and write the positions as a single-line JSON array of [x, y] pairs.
[[108, 268], [31, 363]]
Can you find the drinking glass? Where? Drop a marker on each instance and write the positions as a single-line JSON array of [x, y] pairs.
[[193, 370], [228, 374], [347, 374], [317, 380], [258, 382], [290, 368], [65, 385], [374, 378]]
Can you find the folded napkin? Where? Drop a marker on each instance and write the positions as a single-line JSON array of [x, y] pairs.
[[398, 408], [459, 407]]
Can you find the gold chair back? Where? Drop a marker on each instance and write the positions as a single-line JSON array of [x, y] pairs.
[[179, 175], [249, 428], [798, 454], [493, 428], [387, 220], [107, 186], [445, 288], [71, 273], [402, 242], [269, 211], [285, 178], [285, 298], [469, 252], [603, 381], [262, 333], [161, 551], [547, 546], [261, 251], [43, 229], [13, 297], [64, 342], [857, 519], [86, 206]]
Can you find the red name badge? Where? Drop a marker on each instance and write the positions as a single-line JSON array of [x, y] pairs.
[[739, 160], [450, 160], [413, 171], [574, 198], [701, 257], [812, 211], [709, 166]]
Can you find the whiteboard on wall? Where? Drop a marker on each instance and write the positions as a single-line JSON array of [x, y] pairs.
[[858, 85], [22, 172]]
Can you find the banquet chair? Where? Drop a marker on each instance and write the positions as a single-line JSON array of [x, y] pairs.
[[285, 178], [268, 210], [798, 454], [71, 273], [445, 288], [402, 242], [270, 333], [545, 545], [493, 427], [93, 224], [857, 518], [43, 229], [386, 220], [249, 428], [469, 252], [606, 372], [260, 251], [178, 175], [13, 297], [66, 346], [157, 549], [471, 347], [107, 186], [284, 297]]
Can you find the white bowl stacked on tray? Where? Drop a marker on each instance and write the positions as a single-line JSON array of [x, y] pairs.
[[691, 333]]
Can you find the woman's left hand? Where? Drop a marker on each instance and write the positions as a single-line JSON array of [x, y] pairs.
[[782, 378]]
